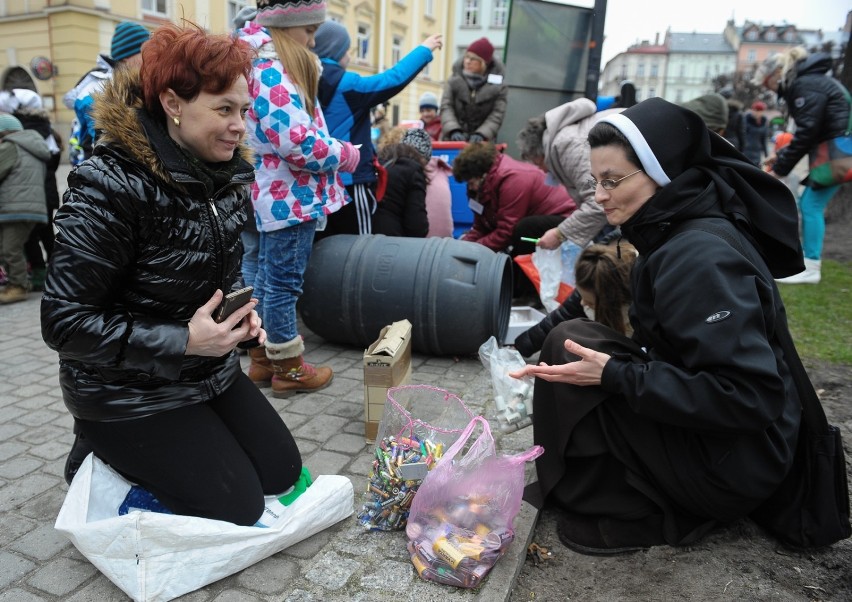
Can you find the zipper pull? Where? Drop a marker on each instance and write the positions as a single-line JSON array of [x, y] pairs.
[[213, 207]]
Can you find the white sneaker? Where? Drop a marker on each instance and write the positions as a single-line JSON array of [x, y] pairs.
[[811, 275]]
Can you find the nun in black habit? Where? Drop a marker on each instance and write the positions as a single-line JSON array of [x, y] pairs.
[[693, 421]]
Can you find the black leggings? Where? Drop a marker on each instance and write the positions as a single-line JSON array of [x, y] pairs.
[[213, 460]]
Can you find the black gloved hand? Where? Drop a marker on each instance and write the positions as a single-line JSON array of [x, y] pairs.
[[458, 136], [476, 138]]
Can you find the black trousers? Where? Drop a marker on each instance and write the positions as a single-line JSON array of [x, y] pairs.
[[603, 459], [214, 460]]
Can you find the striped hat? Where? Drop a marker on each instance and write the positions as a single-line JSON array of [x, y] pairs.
[[290, 13], [127, 40]]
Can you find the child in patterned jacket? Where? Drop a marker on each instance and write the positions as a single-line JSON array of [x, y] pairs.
[[297, 181]]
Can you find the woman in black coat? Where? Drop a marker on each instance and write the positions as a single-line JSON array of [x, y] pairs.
[[694, 420], [820, 106], [148, 238]]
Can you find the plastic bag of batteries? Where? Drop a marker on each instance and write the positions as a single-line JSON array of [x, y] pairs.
[[418, 424], [512, 396]]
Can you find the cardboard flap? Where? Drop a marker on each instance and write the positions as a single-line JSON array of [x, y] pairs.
[[393, 340]]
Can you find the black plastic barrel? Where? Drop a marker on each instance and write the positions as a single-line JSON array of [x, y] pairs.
[[456, 294]]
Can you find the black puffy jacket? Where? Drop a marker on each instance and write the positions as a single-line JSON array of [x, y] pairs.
[[140, 246], [817, 104]]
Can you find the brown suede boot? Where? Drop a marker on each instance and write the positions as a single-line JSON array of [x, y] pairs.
[[292, 373], [260, 370]]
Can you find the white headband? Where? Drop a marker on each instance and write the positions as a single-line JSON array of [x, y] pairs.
[[640, 146]]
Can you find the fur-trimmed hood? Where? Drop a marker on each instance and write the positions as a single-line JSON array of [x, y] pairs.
[[121, 120]]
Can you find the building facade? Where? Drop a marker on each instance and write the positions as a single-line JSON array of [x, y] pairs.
[[685, 65], [48, 48]]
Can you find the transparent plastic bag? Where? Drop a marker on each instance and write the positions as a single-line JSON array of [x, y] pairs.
[[512, 396], [418, 424], [462, 519]]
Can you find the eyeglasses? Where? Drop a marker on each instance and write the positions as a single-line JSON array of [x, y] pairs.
[[609, 183]]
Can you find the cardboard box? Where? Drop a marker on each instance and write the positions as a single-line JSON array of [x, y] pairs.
[[387, 363]]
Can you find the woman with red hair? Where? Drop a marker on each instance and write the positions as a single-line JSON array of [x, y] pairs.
[[148, 242]]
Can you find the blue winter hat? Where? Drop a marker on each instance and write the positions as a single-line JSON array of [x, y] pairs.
[[127, 40], [331, 41]]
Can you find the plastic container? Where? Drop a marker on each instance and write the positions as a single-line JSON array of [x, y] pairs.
[[455, 293], [521, 318]]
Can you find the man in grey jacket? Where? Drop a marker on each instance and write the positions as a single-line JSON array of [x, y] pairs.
[[23, 161], [556, 143]]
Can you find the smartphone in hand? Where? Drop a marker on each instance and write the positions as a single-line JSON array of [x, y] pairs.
[[232, 302]]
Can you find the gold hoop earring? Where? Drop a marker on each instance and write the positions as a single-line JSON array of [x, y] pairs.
[[176, 120]]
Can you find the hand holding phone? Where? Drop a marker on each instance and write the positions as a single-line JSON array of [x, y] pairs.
[[232, 302]]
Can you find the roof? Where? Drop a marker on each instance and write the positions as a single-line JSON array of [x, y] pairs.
[[695, 43]]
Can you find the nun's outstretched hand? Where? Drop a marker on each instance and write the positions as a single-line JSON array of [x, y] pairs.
[[584, 372]]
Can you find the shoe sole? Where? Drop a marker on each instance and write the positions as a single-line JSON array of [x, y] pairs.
[[589, 551], [290, 392]]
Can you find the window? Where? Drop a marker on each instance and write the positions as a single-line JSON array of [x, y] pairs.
[[679, 96], [640, 70], [156, 6], [682, 71], [470, 13], [623, 71], [363, 42], [429, 8], [234, 6], [396, 49], [652, 92], [655, 69], [751, 35], [771, 36], [500, 14], [751, 56]]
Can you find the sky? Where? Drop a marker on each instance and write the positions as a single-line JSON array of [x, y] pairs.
[[630, 21]]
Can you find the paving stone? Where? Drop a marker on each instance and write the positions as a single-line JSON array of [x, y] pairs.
[[100, 589], [45, 507], [34, 393], [320, 428], [308, 404], [348, 444], [300, 595], [308, 548], [19, 595], [392, 576], [9, 431], [51, 450], [9, 413], [10, 449], [269, 576], [13, 526], [332, 570], [324, 462], [12, 495], [61, 576], [19, 466], [43, 434], [37, 418], [41, 543], [348, 409], [232, 595], [13, 567]]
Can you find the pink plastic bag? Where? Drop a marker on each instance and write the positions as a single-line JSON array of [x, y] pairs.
[[461, 520]]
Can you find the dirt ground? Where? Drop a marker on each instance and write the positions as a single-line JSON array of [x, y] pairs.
[[739, 562]]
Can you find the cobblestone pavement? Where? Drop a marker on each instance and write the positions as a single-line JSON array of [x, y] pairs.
[[342, 563]]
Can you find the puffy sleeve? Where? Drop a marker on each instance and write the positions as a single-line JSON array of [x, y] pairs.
[[97, 231], [283, 122]]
